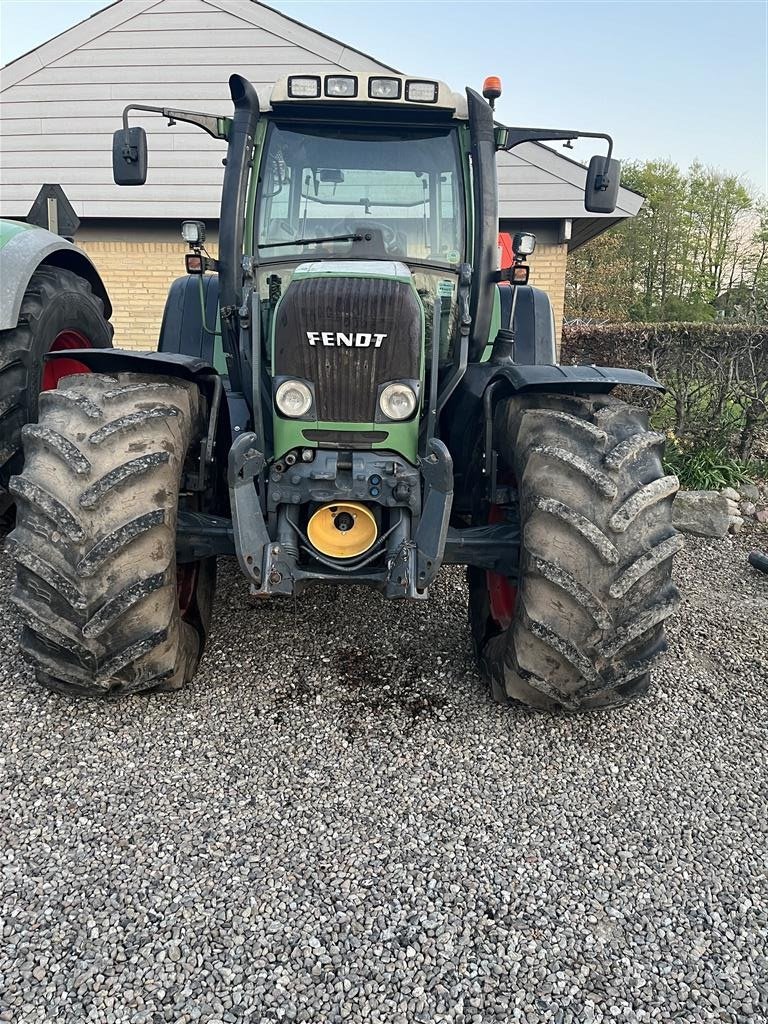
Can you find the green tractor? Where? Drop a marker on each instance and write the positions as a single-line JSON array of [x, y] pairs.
[[351, 392]]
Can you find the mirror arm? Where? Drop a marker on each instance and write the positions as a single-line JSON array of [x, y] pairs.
[[515, 136], [213, 124]]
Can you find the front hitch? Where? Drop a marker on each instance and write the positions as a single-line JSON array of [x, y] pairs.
[[437, 471], [246, 463]]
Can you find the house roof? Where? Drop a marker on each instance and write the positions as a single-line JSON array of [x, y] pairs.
[[62, 101]]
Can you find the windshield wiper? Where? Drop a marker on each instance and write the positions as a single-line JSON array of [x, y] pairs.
[[357, 237]]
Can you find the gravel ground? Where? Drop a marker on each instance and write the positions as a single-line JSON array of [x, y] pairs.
[[335, 823]]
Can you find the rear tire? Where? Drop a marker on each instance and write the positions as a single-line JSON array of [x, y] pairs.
[[95, 537], [56, 302], [597, 542]]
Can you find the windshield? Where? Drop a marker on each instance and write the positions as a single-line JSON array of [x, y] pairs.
[[399, 195]]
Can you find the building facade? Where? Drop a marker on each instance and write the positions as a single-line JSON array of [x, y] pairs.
[[61, 102]]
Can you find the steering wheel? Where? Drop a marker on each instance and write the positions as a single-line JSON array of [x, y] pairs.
[[388, 233]]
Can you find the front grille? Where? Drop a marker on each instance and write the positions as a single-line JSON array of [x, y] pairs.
[[347, 378]]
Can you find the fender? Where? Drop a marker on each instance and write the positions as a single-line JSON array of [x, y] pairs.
[[169, 364], [23, 248], [467, 404], [568, 379]]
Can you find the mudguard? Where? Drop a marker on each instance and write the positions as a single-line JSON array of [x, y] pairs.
[[23, 248], [169, 364], [466, 406], [183, 329], [571, 379], [534, 323], [121, 360]]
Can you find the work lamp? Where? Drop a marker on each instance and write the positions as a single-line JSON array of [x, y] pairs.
[[523, 243], [421, 92], [384, 88], [303, 87], [340, 85], [193, 232]]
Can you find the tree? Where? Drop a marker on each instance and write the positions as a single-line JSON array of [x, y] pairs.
[[691, 254]]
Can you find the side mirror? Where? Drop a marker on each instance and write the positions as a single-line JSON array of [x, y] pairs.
[[602, 188], [129, 156]]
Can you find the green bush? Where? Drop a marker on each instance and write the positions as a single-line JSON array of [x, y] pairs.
[[716, 377], [704, 468]]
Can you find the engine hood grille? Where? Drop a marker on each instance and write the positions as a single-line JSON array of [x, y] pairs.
[[349, 334]]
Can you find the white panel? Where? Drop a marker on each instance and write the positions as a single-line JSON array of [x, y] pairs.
[[200, 54], [80, 191], [24, 126], [38, 145], [100, 108], [202, 17], [183, 40], [100, 158], [178, 6], [43, 94], [147, 75], [173, 211], [525, 173], [300, 35]]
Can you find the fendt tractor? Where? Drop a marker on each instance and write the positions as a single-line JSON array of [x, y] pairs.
[[351, 392]]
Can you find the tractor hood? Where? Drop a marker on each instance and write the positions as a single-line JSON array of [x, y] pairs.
[[348, 329]]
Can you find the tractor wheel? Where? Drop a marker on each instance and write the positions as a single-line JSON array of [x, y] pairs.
[[581, 625], [58, 311], [104, 606]]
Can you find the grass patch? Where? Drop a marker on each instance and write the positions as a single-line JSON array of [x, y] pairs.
[[705, 466]]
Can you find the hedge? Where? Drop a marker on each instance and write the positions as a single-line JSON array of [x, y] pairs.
[[716, 375]]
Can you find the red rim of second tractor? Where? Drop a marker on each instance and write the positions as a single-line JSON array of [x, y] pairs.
[[55, 370]]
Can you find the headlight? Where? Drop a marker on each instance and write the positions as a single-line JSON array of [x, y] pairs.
[[397, 401], [293, 398], [340, 85]]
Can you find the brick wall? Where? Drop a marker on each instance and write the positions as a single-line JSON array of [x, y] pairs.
[[137, 276], [548, 268], [139, 263]]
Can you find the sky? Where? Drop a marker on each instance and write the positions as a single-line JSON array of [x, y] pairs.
[[677, 79]]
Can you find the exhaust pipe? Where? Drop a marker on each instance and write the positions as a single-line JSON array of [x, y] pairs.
[[232, 217]]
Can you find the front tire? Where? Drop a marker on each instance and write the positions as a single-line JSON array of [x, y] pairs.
[[594, 585], [103, 605]]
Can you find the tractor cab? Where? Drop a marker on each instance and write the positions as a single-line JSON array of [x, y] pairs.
[[359, 232], [384, 180]]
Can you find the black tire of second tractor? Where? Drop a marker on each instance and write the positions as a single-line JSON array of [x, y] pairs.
[[597, 543], [55, 300], [95, 538]]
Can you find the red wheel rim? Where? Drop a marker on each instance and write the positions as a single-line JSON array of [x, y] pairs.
[[186, 586], [55, 370], [502, 595]]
